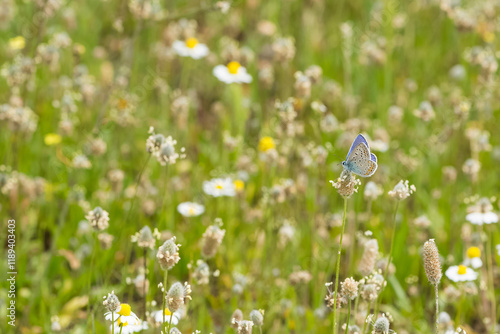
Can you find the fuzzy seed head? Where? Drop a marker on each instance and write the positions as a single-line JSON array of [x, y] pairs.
[[257, 318], [349, 288], [168, 254], [177, 296], [346, 184], [369, 258], [432, 265]]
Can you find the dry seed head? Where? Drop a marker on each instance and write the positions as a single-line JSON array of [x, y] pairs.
[[244, 327], [381, 325], [369, 258], [212, 238], [432, 265]]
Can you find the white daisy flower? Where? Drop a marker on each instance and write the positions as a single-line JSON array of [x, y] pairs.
[[158, 316], [219, 187], [190, 48], [473, 258], [190, 209], [482, 213], [124, 315], [232, 73], [126, 328], [461, 273], [479, 218]]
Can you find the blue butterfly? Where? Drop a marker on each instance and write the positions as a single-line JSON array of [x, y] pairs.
[[359, 159]]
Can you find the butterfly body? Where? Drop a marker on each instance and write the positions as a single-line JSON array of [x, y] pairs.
[[360, 160]]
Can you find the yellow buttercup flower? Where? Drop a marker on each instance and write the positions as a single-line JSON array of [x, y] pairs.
[[191, 42], [473, 252], [266, 144], [52, 139], [233, 67], [17, 43], [239, 185]]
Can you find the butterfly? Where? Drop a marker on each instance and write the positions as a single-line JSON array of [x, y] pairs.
[[359, 159]]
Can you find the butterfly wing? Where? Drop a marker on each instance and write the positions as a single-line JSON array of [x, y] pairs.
[[359, 140], [360, 161]]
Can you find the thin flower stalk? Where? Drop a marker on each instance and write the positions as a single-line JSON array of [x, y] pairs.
[[337, 271]]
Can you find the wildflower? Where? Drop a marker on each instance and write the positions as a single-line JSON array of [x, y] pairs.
[[266, 143], [219, 187], [177, 296], [158, 316], [190, 209], [212, 238], [17, 43], [54, 324], [145, 238], [473, 258], [461, 273], [283, 49], [244, 326], [432, 265], [126, 328], [422, 221], [233, 72], [190, 48], [201, 273], [368, 260], [381, 325], [239, 185], [168, 254], [346, 184], [236, 317], [52, 139], [98, 218], [369, 292], [482, 213], [402, 190], [300, 277], [105, 240], [257, 318], [111, 302], [425, 111], [81, 161], [167, 155], [349, 288], [124, 316]]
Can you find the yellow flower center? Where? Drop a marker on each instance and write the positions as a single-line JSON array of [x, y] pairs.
[[191, 42], [219, 187], [191, 212], [125, 310], [52, 139], [239, 185], [462, 269], [122, 104], [167, 311], [120, 323], [233, 67], [266, 144], [473, 252]]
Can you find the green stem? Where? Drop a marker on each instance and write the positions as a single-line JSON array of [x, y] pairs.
[[389, 260], [164, 291], [348, 317], [367, 314], [337, 271], [437, 307], [170, 322], [89, 286], [113, 322], [144, 282], [491, 283], [121, 328]]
